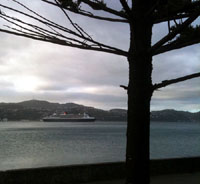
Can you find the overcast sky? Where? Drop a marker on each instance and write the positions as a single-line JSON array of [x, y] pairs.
[[37, 70]]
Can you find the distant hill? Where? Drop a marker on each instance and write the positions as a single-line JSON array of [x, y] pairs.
[[175, 116], [36, 110]]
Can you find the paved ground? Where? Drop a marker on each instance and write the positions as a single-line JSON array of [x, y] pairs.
[[192, 178]]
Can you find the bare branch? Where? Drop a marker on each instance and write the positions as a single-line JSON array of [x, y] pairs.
[[40, 16], [32, 32], [98, 6], [126, 7], [35, 13], [185, 12], [40, 30], [176, 31], [174, 46], [125, 87], [89, 14], [94, 45], [73, 24], [66, 43], [43, 20], [173, 81], [172, 17]]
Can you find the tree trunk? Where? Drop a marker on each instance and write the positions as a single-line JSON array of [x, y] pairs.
[[139, 95]]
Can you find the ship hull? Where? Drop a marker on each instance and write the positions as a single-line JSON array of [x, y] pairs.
[[68, 120]]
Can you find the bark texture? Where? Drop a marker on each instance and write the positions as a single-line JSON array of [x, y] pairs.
[[139, 94]]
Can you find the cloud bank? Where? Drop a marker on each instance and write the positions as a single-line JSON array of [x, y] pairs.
[[32, 69]]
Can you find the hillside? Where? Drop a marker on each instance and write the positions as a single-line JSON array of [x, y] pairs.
[[170, 115], [36, 110]]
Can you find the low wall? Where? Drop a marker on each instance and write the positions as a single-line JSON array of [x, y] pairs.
[[91, 172]]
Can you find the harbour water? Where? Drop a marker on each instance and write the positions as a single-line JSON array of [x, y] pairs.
[[38, 144]]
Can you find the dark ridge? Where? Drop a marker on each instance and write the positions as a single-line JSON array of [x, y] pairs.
[[37, 109]]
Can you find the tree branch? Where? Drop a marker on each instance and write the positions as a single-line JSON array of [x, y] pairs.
[[40, 31], [66, 43], [158, 20], [174, 46], [89, 14], [73, 24], [81, 44], [124, 87], [126, 7], [173, 81], [98, 6], [43, 20], [176, 31], [184, 12]]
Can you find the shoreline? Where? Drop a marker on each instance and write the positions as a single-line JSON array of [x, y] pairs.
[[95, 172]]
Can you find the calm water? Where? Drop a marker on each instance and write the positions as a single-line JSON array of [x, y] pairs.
[[36, 144]]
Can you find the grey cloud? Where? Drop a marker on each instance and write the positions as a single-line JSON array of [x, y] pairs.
[[176, 64], [183, 96], [98, 100], [52, 87], [174, 94], [102, 101], [5, 84], [11, 45], [61, 69], [73, 67]]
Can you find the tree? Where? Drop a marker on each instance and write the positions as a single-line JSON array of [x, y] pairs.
[[140, 15]]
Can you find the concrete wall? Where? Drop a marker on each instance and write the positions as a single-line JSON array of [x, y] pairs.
[[91, 172]]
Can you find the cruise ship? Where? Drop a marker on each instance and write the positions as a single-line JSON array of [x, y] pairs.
[[65, 117]]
